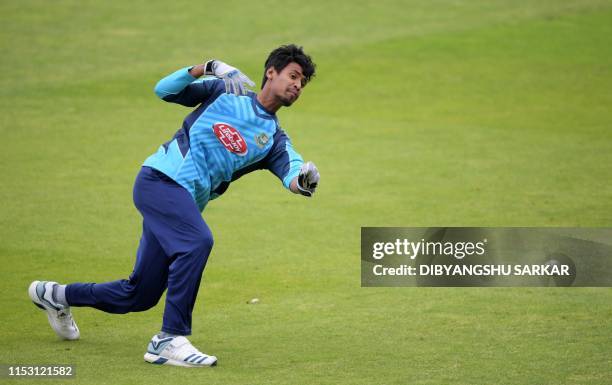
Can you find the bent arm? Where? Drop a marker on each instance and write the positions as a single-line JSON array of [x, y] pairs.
[[183, 87], [284, 162]]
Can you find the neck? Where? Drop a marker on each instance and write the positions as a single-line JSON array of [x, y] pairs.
[[266, 99]]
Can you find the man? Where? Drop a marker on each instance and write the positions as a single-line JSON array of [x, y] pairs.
[[232, 132]]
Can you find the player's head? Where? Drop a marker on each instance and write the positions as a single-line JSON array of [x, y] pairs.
[[287, 70]]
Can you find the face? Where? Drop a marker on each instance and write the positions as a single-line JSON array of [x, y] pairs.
[[287, 84]]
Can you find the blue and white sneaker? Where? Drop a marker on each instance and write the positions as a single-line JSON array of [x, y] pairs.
[[177, 351], [60, 318]]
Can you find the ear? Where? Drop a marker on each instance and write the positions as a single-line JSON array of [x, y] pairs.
[[270, 73]]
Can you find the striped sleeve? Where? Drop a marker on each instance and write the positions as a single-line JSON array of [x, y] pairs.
[[182, 88]]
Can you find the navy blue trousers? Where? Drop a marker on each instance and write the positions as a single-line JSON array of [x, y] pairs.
[[172, 254]]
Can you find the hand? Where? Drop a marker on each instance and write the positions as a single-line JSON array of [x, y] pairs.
[[235, 81], [308, 179]]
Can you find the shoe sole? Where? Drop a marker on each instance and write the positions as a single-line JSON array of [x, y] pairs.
[[159, 360]]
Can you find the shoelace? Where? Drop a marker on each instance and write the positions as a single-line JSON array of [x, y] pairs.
[[65, 317]]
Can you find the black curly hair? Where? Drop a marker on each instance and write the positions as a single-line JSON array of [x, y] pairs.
[[290, 53]]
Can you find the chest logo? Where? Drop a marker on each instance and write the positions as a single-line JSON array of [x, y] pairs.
[[261, 140], [230, 138]]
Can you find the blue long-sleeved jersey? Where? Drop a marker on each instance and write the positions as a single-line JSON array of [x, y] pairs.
[[225, 137]]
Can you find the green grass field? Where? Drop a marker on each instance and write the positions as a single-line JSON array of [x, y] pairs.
[[423, 113]]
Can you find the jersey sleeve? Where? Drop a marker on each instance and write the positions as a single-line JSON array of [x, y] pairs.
[[282, 160], [182, 88]]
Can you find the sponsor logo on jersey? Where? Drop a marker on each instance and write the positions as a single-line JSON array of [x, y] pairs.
[[230, 138], [261, 140]]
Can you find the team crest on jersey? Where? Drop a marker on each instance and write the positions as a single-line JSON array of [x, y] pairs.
[[261, 140], [230, 138]]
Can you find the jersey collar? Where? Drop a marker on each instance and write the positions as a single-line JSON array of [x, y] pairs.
[[259, 109]]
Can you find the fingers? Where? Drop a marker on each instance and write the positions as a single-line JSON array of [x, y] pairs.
[[240, 88], [308, 179], [235, 86], [235, 81], [312, 176], [311, 172], [229, 85], [315, 177], [242, 81], [245, 79]]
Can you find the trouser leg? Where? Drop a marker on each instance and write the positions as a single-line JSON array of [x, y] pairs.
[[181, 231], [173, 252], [184, 281], [139, 292]]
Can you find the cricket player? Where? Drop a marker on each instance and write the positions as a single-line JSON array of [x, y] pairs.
[[231, 132]]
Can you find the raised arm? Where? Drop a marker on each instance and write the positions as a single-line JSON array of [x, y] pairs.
[[183, 86]]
